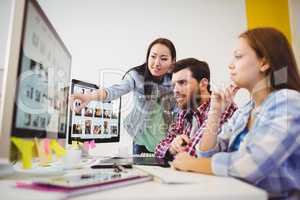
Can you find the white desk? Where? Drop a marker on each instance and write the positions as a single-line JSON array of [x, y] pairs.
[[202, 187]]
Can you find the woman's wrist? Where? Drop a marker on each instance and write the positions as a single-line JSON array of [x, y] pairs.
[[215, 110], [94, 96], [210, 133], [202, 165], [213, 122], [100, 95], [208, 140]]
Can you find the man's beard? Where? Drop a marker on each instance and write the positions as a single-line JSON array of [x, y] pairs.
[[194, 101]]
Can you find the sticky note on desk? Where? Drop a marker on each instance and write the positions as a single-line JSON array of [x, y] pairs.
[[41, 152], [89, 145], [25, 147], [59, 150], [86, 146], [47, 148], [92, 144], [75, 145]]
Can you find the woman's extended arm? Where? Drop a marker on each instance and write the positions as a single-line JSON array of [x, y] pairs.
[[104, 94]]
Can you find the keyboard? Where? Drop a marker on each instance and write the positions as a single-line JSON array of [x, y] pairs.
[[152, 161], [138, 159], [144, 155]]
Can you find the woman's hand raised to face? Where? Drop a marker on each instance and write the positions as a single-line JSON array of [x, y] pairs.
[[221, 99]]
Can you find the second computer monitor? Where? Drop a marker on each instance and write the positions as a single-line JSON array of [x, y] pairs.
[[99, 121]]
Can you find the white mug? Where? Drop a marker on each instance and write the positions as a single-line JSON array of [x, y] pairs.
[[72, 158]]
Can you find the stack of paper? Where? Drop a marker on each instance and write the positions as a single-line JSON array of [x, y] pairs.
[[166, 175]]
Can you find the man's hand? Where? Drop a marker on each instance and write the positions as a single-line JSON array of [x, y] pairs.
[[185, 162], [178, 144]]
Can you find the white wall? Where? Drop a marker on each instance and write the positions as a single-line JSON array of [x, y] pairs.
[[114, 35], [294, 6], [5, 7], [5, 10]]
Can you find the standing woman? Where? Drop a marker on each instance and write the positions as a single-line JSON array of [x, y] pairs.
[[260, 144], [154, 105]]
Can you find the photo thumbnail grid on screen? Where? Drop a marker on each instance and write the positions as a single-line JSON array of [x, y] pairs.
[[43, 79], [99, 121]]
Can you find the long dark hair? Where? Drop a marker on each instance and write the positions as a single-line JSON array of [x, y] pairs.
[[271, 45], [143, 69]]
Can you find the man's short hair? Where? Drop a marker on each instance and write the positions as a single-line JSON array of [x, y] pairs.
[[199, 69]]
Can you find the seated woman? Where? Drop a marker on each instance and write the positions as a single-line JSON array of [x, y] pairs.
[[260, 144]]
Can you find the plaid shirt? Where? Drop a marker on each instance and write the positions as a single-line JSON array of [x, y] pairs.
[[183, 125], [269, 155]]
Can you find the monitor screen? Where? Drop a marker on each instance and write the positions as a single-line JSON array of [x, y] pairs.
[[98, 121], [35, 77], [43, 79]]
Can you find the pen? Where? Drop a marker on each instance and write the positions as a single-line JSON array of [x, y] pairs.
[[184, 143], [107, 166]]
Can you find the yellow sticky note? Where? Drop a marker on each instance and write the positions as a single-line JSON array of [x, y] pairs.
[[41, 153], [25, 147], [35, 152], [80, 145], [59, 150], [75, 145]]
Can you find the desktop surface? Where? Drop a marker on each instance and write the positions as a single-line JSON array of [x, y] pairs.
[[200, 186], [53, 168], [5, 170], [167, 184]]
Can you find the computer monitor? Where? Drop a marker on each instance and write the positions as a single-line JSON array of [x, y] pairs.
[[98, 121], [36, 78]]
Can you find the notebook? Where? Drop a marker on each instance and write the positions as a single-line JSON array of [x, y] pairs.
[[79, 184]]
